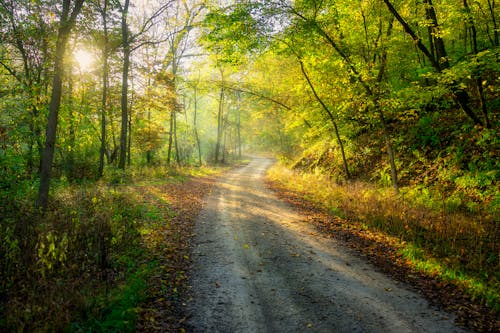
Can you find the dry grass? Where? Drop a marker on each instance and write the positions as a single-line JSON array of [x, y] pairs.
[[452, 245]]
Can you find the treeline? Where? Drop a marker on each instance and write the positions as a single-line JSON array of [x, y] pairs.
[[404, 95], [91, 85], [401, 92]]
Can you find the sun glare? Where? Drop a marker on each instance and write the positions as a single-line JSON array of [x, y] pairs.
[[84, 59]]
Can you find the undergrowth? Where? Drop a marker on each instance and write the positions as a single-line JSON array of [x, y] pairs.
[[441, 242], [84, 264]]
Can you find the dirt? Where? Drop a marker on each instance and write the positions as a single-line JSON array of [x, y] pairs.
[[258, 266]]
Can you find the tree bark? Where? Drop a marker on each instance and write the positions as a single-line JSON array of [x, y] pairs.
[[66, 24], [104, 97], [129, 139], [479, 79], [124, 93], [176, 144], [72, 132], [195, 127], [437, 42], [219, 125], [170, 137]]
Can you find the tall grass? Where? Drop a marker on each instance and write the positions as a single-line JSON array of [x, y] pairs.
[[439, 241]]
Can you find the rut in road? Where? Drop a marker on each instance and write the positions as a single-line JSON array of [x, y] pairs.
[[259, 268]]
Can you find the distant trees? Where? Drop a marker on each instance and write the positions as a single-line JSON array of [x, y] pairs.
[[332, 84], [379, 69]]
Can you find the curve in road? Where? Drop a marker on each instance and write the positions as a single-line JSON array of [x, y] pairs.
[[258, 267]]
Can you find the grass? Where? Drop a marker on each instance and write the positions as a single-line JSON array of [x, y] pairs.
[[443, 243]]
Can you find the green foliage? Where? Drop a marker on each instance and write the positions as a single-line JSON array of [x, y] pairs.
[[235, 31], [89, 238]]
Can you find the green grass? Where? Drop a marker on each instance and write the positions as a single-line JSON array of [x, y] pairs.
[[117, 310]]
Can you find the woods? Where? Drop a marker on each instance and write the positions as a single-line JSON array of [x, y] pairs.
[[391, 94]]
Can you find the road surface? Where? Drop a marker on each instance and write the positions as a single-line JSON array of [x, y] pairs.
[[258, 267]]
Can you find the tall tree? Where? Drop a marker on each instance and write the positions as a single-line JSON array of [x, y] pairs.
[[179, 24], [131, 42], [105, 50], [124, 94], [26, 35], [69, 13]]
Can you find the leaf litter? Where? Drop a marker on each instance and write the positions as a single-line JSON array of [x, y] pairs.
[[382, 252], [169, 243]]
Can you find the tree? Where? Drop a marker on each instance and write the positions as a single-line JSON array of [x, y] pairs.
[[26, 35], [68, 16], [130, 43], [103, 9], [179, 24]]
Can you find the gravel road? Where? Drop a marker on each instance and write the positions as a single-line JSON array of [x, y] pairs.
[[258, 267]]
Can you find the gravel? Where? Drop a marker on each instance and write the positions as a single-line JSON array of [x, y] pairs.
[[258, 267]]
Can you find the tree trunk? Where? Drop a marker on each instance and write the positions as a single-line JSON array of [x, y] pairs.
[[198, 144], [66, 24], [479, 79], [437, 42], [113, 153], [177, 153], [224, 138], [332, 119], [491, 6], [129, 143], [387, 137], [170, 137], [390, 151], [72, 133], [238, 128], [124, 94], [104, 97], [219, 125], [148, 152]]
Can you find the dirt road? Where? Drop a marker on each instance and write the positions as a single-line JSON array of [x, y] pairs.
[[259, 268]]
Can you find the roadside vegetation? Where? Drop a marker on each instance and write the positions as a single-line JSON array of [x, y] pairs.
[[436, 244], [101, 100], [105, 257]]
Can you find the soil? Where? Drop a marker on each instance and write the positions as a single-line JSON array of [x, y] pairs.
[[259, 266]]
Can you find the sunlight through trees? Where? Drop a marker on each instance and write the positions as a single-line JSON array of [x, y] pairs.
[[398, 94]]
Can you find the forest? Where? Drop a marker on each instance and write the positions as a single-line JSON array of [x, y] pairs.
[[384, 112]]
